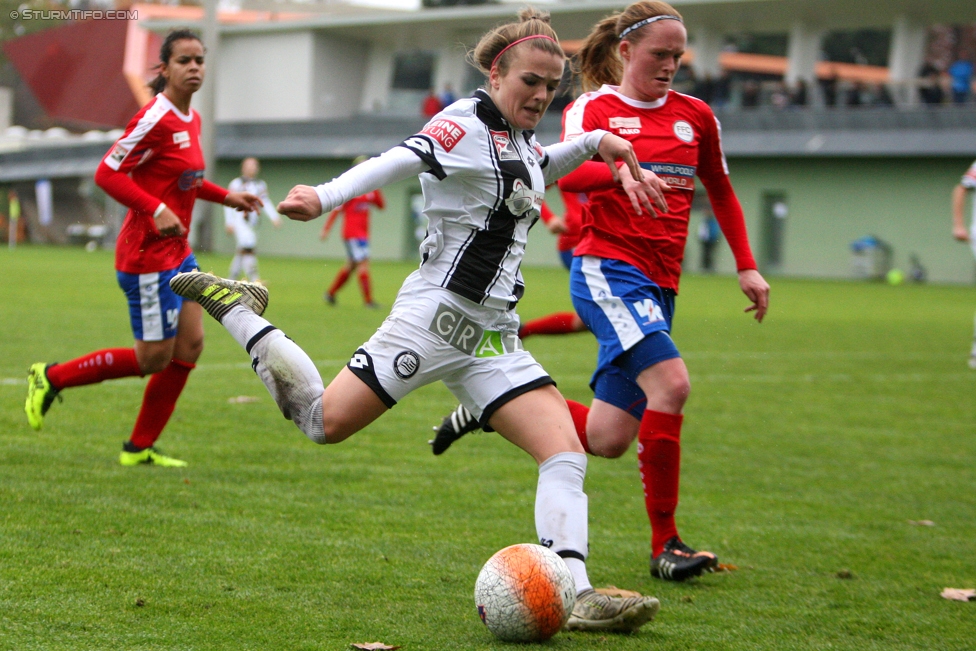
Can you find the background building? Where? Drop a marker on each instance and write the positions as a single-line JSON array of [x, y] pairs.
[[822, 152]]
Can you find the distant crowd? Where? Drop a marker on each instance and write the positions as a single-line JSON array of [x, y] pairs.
[[934, 86]]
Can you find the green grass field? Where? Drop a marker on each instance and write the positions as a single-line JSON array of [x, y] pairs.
[[810, 443]]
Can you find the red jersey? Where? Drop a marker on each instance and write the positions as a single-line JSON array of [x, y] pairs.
[[569, 238], [355, 213], [678, 138], [157, 160]]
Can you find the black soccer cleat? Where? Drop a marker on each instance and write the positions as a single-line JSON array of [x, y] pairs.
[[678, 561], [454, 426]]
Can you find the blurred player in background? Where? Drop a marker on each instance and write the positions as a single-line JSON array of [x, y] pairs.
[[483, 177], [355, 235], [567, 228], [243, 226], [156, 170], [965, 187], [626, 269]]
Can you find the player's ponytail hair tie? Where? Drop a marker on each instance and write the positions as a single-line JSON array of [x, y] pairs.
[[516, 42], [648, 21]]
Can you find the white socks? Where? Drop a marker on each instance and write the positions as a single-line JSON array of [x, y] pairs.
[[249, 262], [287, 372], [561, 512]]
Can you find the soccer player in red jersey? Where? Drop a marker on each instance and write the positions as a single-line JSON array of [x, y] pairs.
[[625, 272], [355, 235], [156, 170]]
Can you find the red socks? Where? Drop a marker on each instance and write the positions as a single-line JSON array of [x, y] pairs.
[[93, 368], [365, 286], [579, 413], [560, 323], [659, 462], [158, 402], [339, 281]]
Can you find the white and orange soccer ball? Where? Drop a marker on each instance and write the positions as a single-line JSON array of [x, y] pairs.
[[525, 593]]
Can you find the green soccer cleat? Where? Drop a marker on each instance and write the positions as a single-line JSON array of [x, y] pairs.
[[133, 456], [218, 295], [599, 612], [40, 394]]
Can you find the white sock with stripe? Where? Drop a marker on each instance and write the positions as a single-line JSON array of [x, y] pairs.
[[561, 512], [285, 369]]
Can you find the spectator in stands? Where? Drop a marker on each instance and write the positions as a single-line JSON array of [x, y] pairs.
[[779, 98], [799, 95], [722, 90], [881, 96], [750, 94], [431, 105], [961, 73], [930, 86], [828, 87], [705, 89]]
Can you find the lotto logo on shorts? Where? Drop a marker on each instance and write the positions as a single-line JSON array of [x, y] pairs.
[[445, 132]]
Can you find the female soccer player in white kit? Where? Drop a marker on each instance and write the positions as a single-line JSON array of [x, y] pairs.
[[243, 225], [626, 270], [483, 177]]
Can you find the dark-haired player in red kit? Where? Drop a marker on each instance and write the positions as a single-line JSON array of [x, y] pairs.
[[156, 170], [355, 236]]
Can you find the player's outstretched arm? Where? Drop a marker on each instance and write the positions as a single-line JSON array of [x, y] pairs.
[[756, 289]]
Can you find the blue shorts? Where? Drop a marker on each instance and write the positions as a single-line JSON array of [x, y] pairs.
[[154, 309], [630, 316], [357, 249], [567, 258]]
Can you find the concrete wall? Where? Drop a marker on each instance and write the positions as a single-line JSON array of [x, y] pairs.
[[266, 77], [832, 202], [340, 68]]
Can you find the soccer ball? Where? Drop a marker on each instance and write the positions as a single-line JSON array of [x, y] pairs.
[[525, 593]]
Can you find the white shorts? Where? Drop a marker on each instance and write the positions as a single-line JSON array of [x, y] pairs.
[[433, 334], [245, 236]]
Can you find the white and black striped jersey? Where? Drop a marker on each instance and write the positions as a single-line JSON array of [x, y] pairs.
[[483, 185], [482, 193]]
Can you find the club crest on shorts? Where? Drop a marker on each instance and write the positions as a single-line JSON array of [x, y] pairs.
[[406, 364]]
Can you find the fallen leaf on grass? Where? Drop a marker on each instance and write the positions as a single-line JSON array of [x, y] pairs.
[[614, 591], [921, 523], [725, 567], [242, 400], [959, 594], [374, 646]]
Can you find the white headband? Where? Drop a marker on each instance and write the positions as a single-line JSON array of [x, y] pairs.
[[648, 21]]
